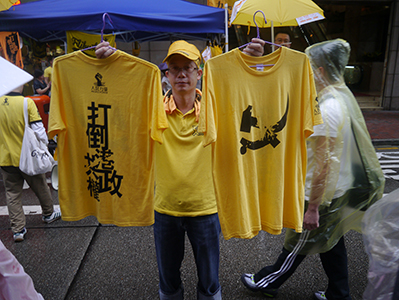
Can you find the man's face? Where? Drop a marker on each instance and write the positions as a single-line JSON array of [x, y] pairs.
[[283, 39], [183, 74]]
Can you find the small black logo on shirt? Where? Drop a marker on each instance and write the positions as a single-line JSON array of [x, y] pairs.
[[196, 132], [5, 101], [99, 85]]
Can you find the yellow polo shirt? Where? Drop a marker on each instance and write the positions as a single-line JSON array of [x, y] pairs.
[[183, 174]]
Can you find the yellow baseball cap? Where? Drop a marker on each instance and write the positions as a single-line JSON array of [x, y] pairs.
[[186, 49]]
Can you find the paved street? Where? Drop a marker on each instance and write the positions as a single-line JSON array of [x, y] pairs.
[[84, 260], [389, 160]]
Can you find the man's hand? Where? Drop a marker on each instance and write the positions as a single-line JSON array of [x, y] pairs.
[[311, 218], [103, 50], [256, 48]]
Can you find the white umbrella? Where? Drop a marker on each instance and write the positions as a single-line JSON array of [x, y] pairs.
[[11, 76]]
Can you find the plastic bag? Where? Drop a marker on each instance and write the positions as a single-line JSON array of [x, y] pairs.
[[381, 240], [14, 282], [35, 158]]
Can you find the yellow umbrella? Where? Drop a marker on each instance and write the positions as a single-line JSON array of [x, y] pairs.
[[6, 4], [277, 12]]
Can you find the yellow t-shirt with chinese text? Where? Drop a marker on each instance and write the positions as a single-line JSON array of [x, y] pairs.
[[258, 120], [107, 114]]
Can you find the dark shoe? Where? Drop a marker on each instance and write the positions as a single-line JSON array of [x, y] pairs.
[[19, 236], [249, 282], [320, 295]]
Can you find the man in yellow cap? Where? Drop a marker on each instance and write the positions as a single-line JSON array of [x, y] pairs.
[[185, 200], [184, 196]]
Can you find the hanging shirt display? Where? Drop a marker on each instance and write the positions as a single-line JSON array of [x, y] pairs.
[[258, 120], [107, 114]]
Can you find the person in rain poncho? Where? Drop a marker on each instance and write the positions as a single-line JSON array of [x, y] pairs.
[[343, 179]]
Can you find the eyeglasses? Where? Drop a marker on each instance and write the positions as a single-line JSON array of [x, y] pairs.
[[281, 41], [187, 70]]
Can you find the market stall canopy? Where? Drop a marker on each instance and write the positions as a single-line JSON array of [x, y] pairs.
[[47, 20]]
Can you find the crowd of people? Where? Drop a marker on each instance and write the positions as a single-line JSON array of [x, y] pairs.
[[331, 185]]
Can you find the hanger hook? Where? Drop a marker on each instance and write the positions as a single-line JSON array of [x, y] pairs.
[[102, 30], [257, 27]]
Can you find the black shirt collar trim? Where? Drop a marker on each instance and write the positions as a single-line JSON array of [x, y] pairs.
[[14, 94]]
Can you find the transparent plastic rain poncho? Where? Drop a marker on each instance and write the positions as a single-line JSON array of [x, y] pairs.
[[381, 241], [343, 167]]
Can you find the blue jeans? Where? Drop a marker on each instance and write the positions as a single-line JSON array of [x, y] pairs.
[[203, 233]]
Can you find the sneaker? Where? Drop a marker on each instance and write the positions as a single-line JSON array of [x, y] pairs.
[[19, 236], [249, 282], [320, 295], [51, 218]]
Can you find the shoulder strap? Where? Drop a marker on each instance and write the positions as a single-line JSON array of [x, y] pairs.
[[26, 112]]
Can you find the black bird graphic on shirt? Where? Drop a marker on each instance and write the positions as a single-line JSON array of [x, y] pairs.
[[270, 136]]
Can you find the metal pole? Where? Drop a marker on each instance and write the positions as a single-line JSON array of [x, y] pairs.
[[272, 38], [226, 26], [304, 35]]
